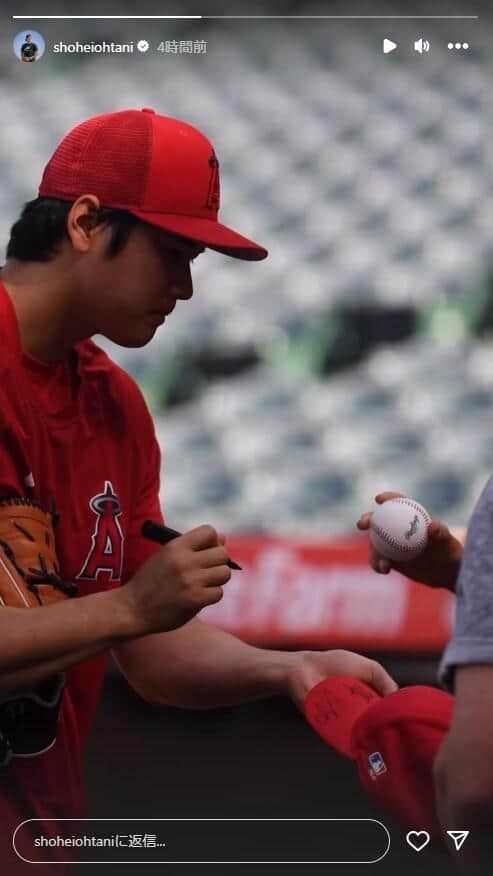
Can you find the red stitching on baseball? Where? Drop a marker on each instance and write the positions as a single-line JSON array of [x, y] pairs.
[[417, 507], [394, 543]]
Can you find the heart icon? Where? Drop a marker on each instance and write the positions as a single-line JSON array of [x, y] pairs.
[[418, 839]]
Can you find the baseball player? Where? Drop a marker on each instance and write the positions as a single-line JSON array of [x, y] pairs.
[[126, 203]]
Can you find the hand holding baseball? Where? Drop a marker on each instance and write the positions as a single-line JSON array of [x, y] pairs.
[[435, 562]]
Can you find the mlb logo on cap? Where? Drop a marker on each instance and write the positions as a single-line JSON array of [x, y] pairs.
[[377, 764]]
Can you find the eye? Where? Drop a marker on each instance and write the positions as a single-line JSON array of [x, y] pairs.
[[180, 255]]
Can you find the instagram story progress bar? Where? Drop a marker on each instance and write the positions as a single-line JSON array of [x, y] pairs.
[[243, 17]]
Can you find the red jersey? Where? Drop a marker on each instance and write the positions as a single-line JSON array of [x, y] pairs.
[[78, 430]]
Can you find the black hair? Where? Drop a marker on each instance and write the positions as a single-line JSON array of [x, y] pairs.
[[28, 35], [42, 228]]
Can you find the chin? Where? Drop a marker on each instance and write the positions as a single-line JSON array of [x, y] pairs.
[[132, 341]]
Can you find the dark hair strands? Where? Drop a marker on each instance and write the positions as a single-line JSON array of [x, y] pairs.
[[42, 228]]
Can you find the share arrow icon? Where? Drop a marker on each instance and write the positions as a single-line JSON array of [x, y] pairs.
[[459, 837]]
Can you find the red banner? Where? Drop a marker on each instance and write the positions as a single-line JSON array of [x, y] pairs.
[[324, 595]]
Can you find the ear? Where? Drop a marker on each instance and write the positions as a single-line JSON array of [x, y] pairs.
[[81, 222]]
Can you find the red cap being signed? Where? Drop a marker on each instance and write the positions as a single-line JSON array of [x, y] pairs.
[[394, 741]]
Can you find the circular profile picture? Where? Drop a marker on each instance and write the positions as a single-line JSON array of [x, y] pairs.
[[28, 46]]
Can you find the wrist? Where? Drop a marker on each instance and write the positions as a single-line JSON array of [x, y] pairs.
[[455, 568], [273, 671], [301, 675], [124, 619]]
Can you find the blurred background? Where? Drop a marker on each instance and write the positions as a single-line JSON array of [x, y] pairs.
[[357, 357]]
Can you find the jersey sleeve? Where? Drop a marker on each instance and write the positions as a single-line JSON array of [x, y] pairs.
[[15, 423], [15, 427], [472, 641], [147, 478]]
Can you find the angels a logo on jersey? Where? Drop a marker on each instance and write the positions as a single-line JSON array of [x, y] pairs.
[[106, 553]]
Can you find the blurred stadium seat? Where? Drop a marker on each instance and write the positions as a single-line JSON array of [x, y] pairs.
[[371, 191]]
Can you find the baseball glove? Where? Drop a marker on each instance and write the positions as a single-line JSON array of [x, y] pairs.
[[30, 578]]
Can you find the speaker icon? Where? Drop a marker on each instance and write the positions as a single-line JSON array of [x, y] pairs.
[[421, 46]]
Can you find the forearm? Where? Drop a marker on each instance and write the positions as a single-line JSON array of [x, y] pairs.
[[451, 576], [452, 568], [17, 681], [199, 666], [460, 534], [476, 854], [464, 768], [466, 808], [35, 643]]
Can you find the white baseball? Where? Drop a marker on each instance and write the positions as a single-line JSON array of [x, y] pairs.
[[399, 529]]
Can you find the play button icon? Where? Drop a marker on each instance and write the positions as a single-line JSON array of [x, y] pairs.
[[388, 46]]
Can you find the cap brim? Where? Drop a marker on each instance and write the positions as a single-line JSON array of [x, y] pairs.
[[207, 232], [333, 707]]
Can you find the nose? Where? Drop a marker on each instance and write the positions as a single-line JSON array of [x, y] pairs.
[[181, 280]]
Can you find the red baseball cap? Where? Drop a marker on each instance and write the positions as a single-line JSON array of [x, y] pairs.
[[394, 741], [160, 169]]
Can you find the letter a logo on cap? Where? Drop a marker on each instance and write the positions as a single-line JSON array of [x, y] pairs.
[[213, 193]]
